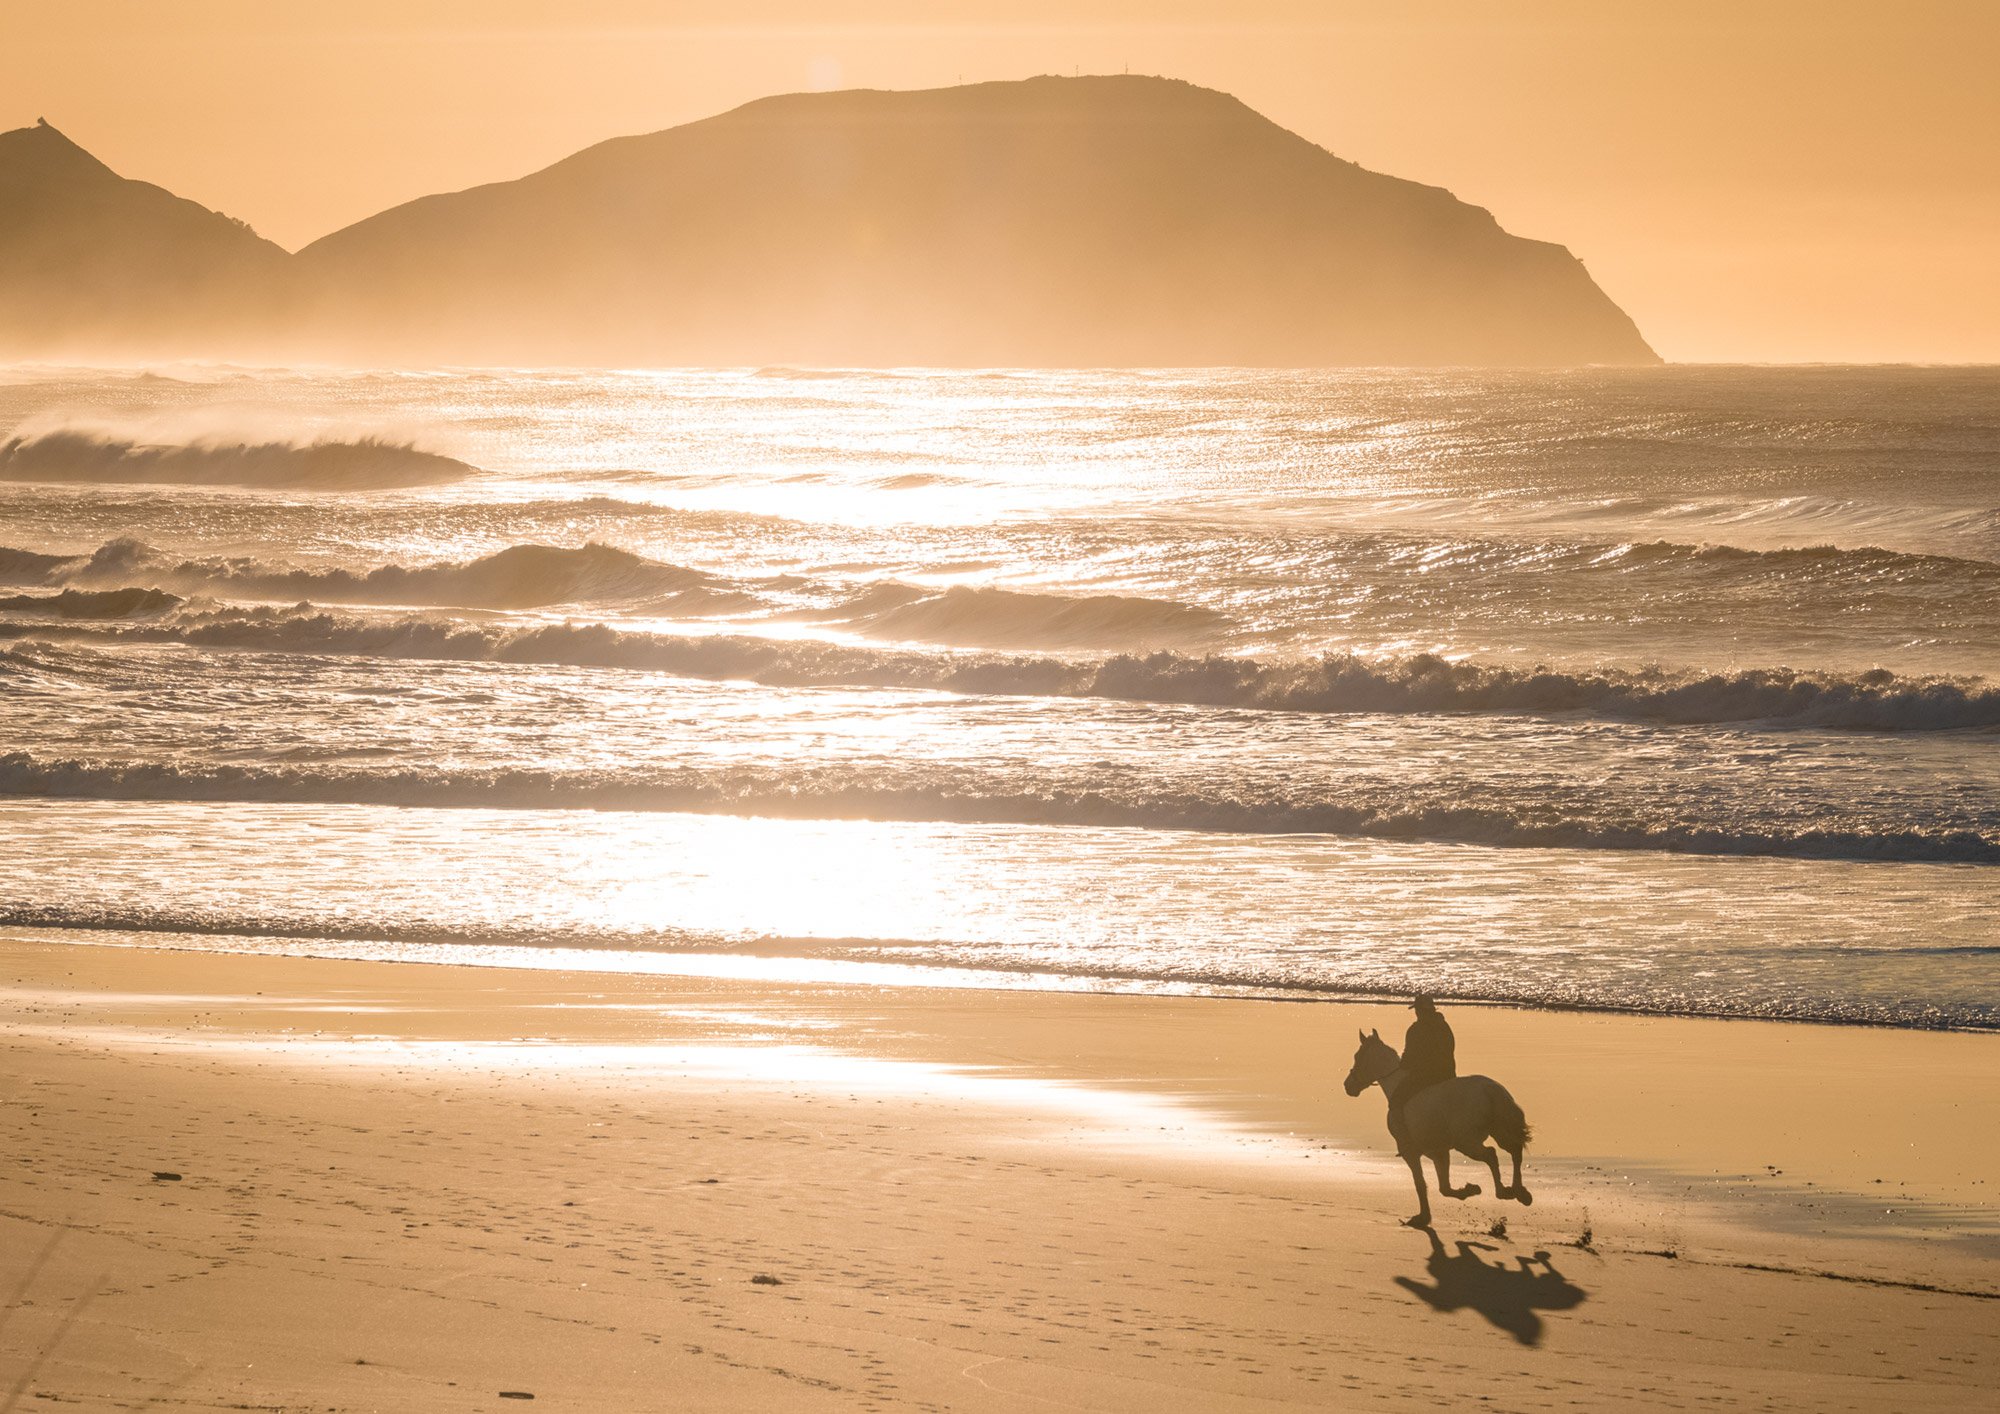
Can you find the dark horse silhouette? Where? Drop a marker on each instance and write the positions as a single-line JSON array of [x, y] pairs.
[[1460, 1114], [1508, 1296]]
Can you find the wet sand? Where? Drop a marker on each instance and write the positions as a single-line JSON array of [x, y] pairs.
[[419, 1187]]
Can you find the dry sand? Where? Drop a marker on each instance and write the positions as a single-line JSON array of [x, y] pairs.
[[428, 1188]]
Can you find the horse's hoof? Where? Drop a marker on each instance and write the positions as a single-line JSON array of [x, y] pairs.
[[1471, 1190], [1527, 1199], [1420, 1220]]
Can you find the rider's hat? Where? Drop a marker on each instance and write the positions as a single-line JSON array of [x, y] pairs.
[[1423, 1001]]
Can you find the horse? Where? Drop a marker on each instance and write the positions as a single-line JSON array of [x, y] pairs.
[[1459, 1114]]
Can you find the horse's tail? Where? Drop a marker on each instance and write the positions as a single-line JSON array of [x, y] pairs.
[[1510, 1125]]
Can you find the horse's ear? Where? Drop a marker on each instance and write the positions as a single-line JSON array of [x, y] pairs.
[[1376, 1034], [1362, 1034]]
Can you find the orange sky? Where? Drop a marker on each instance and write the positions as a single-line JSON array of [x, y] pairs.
[[1756, 179]]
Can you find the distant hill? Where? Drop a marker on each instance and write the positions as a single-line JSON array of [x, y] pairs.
[[92, 264], [1055, 222]]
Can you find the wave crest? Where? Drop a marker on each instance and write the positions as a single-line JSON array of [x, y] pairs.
[[91, 458], [988, 617], [518, 577]]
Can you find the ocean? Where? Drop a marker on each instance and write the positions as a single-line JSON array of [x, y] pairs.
[[1666, 690]]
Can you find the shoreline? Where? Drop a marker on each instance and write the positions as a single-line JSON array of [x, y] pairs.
[[568, 1183], [807, 955]]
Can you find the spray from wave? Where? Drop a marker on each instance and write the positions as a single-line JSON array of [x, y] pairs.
[[367, 464]]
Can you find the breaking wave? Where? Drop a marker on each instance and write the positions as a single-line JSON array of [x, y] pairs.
[[1399, 577], [539, 576], [1877, 701], [961, 796], [92, 604], [362, 465], [788, 373], [30, 566], [1009, 618], [1870, 564], [519, 577]]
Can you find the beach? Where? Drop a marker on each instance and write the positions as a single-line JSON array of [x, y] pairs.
[[255, 1181]]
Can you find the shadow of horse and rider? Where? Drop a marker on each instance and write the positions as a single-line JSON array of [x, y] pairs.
[[1434, 1112], [1510, 1295]]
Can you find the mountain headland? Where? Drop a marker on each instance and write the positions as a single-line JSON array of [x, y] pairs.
[[1065, 222], [93, 263]]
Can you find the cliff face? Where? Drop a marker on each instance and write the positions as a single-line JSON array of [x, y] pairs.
[[94, 265], [1051, 222]]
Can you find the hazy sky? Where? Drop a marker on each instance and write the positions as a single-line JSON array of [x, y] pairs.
[[1755, 179]]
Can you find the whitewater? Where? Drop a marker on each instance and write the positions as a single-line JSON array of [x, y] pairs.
[[1670, 690]]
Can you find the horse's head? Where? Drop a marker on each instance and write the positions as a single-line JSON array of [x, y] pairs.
[[1373, 1060]]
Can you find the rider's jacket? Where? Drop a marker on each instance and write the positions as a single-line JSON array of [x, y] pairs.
[[1429, 1053]]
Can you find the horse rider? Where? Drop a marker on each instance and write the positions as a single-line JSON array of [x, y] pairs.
[[1428, 1055]]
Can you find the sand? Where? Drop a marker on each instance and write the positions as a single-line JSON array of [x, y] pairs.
[[281, 1183]]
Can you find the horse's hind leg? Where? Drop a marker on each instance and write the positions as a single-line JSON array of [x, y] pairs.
[[1518, 1190], [1485, 1154], [1442, 1158]]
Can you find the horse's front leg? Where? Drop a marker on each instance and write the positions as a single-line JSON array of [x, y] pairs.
[[1423, 1217], [1443, 1161], [1520, 1192]]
